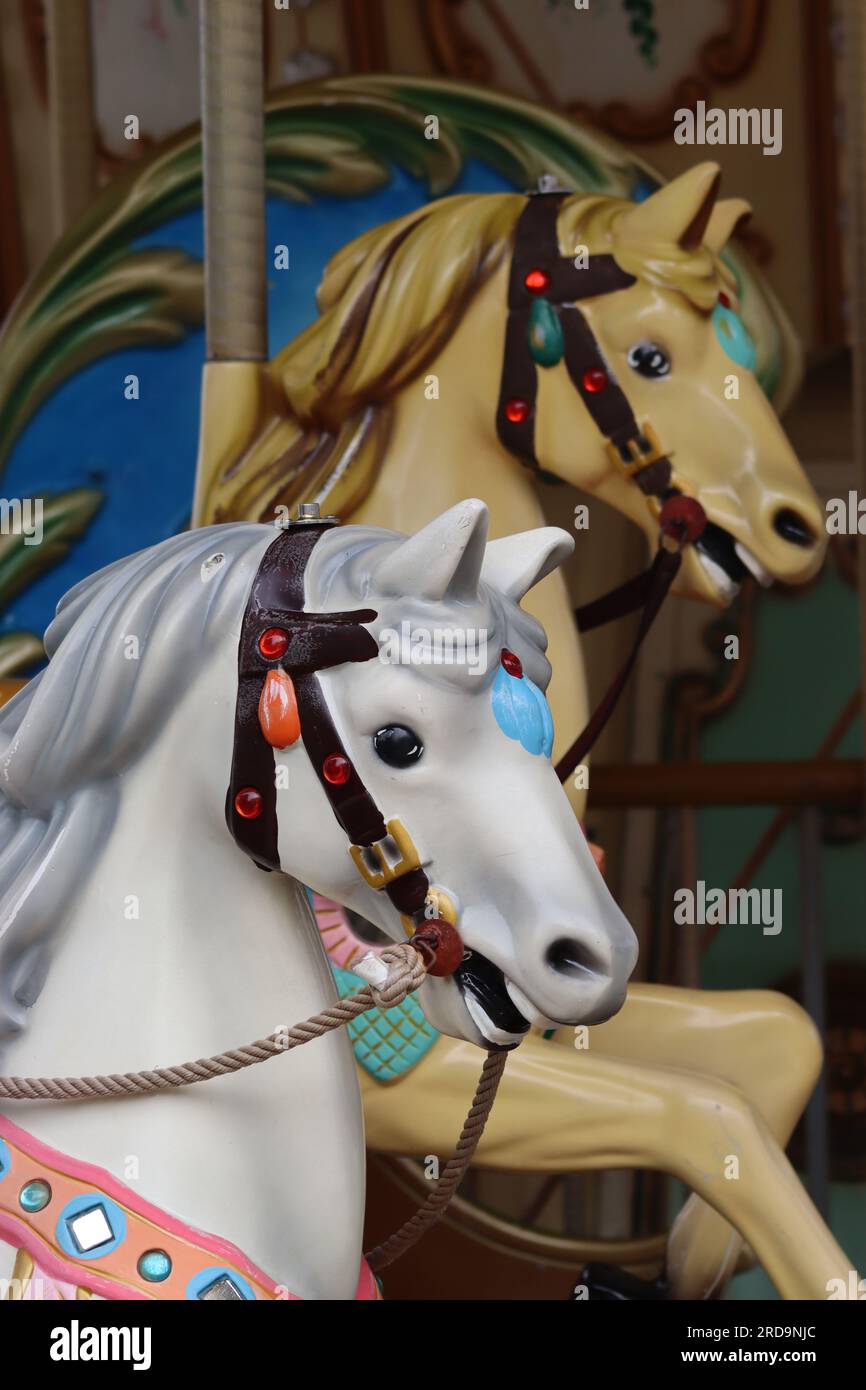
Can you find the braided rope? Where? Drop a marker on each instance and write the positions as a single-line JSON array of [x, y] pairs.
[[434, 1207], [407, 970]]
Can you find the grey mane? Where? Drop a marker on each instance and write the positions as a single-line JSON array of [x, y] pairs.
[[89, 714]]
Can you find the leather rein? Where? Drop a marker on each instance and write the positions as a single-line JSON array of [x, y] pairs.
[[546, 326]]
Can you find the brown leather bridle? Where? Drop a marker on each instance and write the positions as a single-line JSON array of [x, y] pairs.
[[382, 852], [539, 272]]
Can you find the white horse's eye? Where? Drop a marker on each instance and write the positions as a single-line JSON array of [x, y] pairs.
[[648, 359], [397, 746]]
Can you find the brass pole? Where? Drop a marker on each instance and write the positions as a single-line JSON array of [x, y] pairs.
[[233, 137], [72, 118], [234, 382]]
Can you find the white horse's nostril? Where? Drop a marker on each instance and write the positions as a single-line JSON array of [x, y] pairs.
[[567, 956]]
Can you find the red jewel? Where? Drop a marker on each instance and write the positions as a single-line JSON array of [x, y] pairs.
[[441, 945], [536, 281], [594, 379], [511, 663], [248, 803], [516, 410], [273, 643], [723, 300], [682, 518], [336, 769]]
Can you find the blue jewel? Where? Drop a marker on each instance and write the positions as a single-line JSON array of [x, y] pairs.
[[154, 1266], [522, 712], [734, 337], [35, 1195]]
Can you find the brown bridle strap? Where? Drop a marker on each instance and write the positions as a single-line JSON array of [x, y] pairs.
[[653, 585], [634, 449], [536, 248], [316, 641]]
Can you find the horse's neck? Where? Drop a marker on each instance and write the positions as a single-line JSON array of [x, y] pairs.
[[442, 442], [178, 948]]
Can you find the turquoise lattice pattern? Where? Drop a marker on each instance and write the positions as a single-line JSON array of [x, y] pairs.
[[387, 1042]]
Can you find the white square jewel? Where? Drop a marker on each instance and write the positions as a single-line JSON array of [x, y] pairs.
[[221, 1289], [90, 1228]]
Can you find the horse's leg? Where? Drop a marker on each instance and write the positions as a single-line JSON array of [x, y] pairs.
[[758, 1040], [559, 1114]]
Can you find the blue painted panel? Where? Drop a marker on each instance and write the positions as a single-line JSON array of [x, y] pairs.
[[143, 452]]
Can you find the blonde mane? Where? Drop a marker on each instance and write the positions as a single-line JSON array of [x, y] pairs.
[[388, 302]]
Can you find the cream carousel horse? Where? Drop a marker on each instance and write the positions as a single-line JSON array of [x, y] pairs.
[[382, 409], [132, 929]]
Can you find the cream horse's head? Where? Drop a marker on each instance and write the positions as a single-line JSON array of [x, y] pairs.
[[676, 343], [425, 297]]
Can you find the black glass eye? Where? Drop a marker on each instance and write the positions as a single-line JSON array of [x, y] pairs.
[[649, 360], [398, 746]]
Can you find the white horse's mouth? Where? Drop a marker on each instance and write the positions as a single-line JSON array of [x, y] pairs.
[[486, 994], [727, 562]]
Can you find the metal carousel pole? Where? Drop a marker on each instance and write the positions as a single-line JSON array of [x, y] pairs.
[[71, 109], [232, 112]]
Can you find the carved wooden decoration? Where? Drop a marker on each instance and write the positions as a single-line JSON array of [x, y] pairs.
[[674, 58]]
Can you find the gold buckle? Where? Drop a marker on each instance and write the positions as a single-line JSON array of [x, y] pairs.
[[640, 458], [387, 872]]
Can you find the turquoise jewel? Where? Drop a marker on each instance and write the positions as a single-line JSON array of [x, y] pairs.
[[154, 1266], [35, 1195], [387, 1042], [546, 343], [522, 712], [734, 337]]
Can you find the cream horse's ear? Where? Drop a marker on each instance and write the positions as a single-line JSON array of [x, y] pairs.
[[678, 214], [724, 219], [515, 563], [443, 559]]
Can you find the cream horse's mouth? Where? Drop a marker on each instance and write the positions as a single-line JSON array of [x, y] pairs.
[[727, 562]]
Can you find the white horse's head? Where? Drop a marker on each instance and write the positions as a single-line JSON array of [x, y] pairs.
[[450, 739], [450, 733]]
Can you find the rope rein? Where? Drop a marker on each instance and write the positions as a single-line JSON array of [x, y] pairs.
[[407, 969]]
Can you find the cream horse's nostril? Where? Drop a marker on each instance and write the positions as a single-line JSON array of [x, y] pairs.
[[573, 958], [791, 527]]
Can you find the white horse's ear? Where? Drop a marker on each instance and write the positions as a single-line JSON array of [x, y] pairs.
[[444, 558], [515, 563], [677, 214]]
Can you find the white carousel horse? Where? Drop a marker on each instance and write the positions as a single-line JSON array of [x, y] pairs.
[[133, 933]]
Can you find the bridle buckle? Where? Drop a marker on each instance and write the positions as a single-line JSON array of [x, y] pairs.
[[640, 457], [387, 871]]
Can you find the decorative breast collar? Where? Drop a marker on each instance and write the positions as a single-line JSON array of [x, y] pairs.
[[81, 1231]]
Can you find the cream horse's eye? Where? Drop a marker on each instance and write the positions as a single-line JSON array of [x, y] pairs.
[[648, 359]]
